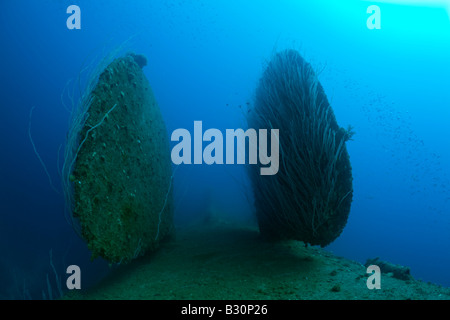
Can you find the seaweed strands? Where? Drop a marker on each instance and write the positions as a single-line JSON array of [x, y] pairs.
[[310, 197]]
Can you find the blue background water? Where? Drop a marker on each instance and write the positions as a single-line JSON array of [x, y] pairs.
[[205, 59]]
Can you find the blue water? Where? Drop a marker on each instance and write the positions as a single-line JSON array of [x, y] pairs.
[[204, 62]]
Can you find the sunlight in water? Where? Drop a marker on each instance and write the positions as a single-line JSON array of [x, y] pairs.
[[425, 3]]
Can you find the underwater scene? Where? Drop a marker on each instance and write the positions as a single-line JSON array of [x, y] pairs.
[[225, 150]]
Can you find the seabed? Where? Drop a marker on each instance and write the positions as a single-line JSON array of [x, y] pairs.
[[223, 261]]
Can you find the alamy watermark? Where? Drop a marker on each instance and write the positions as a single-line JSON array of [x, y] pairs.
[[374, 20], [74, 280], [213, 153], [74, 20], [374, 280]]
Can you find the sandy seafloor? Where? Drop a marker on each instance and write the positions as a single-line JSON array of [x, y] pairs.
[[232, 262]]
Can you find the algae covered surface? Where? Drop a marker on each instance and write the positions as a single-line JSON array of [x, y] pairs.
[[233, 262], [122, 174]]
